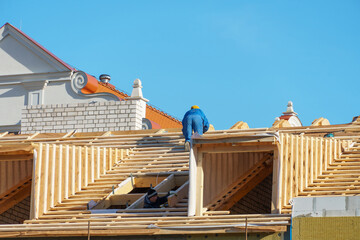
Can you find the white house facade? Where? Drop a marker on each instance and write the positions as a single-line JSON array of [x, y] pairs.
[[31, 75]]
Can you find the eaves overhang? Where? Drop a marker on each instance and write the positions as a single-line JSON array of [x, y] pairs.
[[235, 138], [226, 143]]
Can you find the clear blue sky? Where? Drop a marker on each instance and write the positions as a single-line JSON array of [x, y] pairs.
[[238, 60]]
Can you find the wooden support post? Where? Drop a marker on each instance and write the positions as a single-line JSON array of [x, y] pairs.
[[311, 160], [67, 160], [200, 184], [98, 163], [276, 181], [73, 169], [316, 158], [321, 157], [116, 157], [86, 170], [46, 176], [52, 176], [291, 168], [121, 154], [301, 187], [326, 155], [339, 149], [286, 170], [92, 165], [60, 171], [331, 153], [192, 182], [111, 159], [281, 172], [297, 167], [80, 166], [36, 183], [246, 229], [104, 161]]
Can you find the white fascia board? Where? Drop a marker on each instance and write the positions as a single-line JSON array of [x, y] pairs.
[[35, 77], [35, 49]]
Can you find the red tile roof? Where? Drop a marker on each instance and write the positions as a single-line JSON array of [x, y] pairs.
[[152, 113]]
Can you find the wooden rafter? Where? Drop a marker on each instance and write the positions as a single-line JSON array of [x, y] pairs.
[[15, 195], [3, 134]]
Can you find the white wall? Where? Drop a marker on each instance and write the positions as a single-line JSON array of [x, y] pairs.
[[36, 89], [83, 117], [30, 75], [12, 98]]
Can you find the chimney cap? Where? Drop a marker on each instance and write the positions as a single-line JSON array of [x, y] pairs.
[[105, 78]]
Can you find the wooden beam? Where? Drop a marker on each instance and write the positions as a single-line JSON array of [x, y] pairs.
[[16, 149], [19, 157], [240, 125], [3, 134], [123, 199], [15, 195], [166, 185], [234, 139], [145, 182], [214, 148], [123, 188], [108, 133], [33, 136], [69, 134], [180, 194]]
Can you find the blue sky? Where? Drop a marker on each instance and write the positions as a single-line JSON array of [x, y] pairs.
[[237, 60]]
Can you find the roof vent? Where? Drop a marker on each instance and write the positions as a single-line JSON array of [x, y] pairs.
[[105, 78]]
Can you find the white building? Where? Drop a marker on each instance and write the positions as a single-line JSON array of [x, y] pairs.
[[31, 75]]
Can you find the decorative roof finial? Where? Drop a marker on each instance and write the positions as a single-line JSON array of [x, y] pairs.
[[137, 92], [290, 109]]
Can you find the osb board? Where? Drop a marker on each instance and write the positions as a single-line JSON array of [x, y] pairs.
[[326, 228]]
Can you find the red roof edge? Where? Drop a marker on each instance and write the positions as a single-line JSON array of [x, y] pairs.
[[124, 95], [41, 47]]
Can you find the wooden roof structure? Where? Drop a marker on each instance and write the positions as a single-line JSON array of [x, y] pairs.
[[84, 184]]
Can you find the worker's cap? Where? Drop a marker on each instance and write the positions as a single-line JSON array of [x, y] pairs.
[[195, 107], [151, 192]]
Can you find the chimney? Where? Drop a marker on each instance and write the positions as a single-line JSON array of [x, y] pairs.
[[105, 78]]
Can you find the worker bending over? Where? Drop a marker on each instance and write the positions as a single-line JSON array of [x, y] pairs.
[[152, 200], [194, 120]]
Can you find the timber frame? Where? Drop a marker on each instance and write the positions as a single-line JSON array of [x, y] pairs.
[[204, 149], [301, 161]]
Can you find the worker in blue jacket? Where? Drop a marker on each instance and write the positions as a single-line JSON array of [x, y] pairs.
[[194, 120]]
